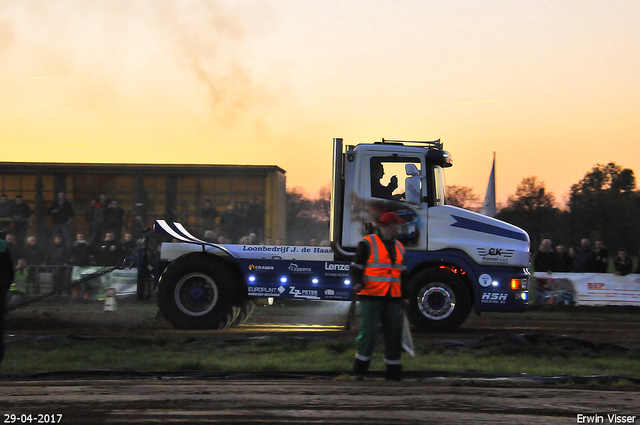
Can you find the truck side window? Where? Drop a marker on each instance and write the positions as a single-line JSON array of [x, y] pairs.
[[378, 190], [385, 172]]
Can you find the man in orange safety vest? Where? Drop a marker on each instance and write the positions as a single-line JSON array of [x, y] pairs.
[[377, 276]]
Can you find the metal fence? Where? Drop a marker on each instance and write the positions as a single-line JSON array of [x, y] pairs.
[[41, 280]]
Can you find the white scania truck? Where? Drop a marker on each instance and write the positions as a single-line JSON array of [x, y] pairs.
[[456, 260]]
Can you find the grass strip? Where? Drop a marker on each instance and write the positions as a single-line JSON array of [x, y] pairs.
[[31, 355]]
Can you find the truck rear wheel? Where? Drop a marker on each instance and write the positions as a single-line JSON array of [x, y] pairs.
[[194, 292], [438, 301], [246, 308]]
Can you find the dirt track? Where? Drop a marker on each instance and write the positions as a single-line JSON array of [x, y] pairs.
[[328, 401], [325, 402], [318, 318]]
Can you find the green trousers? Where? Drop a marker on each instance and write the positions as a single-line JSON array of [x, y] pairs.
[[373, 312]]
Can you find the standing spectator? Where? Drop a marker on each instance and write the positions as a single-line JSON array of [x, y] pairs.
[[20, 212], [208, 216], [231, 222], [377, 273], [6, 278], [572, 253], [96, 214], [89, 214], [110, 251], [34, 257], [562, 261], [585, 261], [242, 215], [255, 218], [61, 212], [114, 219], [58, 257], [623, 264], [543, 259], [16, 252], [602, 258], [79, 254], [5, 218], [139, 218]]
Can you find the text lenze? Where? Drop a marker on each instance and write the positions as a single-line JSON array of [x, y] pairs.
[[334, 266]]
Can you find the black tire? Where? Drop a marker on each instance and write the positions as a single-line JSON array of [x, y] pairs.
[[438, 301], [195, 292], [246, 308]]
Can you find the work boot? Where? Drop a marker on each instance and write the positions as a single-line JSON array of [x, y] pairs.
[[393, 372], [360, 368]]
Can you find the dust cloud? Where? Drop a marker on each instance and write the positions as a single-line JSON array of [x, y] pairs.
[[211, 47], [119, 59]]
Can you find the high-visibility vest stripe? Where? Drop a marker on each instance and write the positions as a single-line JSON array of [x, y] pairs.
[[19, 283]]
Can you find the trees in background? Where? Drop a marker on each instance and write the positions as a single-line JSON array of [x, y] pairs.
[[531, 208], [602, 206], [463, 197], [307, 218]]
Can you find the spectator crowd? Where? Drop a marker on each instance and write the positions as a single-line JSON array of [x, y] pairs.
[[242, 224], [582, 259], [104, 246], [107, 241]]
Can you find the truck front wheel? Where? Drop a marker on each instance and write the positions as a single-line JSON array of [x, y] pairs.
[[194, 292], [438, 301]]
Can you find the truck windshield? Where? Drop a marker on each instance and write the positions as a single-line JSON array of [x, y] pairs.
[[440, 185]]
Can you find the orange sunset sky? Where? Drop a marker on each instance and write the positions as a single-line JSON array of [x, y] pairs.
[[552, 86]]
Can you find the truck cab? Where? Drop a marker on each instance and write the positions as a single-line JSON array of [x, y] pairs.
[[390, 176]]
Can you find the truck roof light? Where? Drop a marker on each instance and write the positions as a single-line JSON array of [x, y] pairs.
[[436, 144]]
